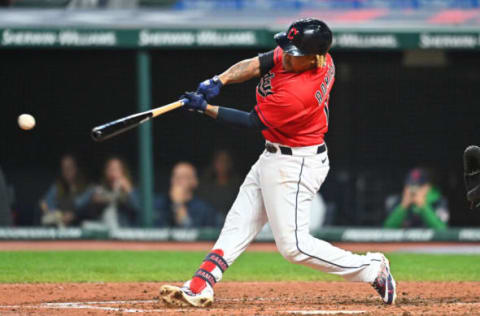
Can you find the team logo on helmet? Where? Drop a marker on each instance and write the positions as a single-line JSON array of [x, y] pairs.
[[292, 33]]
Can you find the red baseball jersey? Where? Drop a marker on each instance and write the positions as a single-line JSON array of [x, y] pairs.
[[294, 106]]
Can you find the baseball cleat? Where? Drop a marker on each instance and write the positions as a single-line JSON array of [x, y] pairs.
[[384, 284], [183, 297]]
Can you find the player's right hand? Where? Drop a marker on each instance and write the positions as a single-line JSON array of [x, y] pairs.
[[196, 102], [210, 88]]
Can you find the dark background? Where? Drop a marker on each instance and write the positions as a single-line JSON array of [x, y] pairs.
[[386, 118]]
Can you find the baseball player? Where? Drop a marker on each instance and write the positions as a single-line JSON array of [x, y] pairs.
[[292, 114]]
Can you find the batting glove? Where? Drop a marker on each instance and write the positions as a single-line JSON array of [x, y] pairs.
[[196, 102], [210, 88]]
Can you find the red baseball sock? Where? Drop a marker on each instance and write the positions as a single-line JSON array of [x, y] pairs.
[[207, 273]]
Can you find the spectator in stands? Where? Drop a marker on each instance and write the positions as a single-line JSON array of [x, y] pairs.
[[219, 185], [115, 202], [5, 202], [67, 196], [420, 205], [180, 207], [108, 4]]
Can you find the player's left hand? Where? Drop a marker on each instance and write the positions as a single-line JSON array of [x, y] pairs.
[[196, 102], [210, 88]]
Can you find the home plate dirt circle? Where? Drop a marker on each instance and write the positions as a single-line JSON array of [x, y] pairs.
[[241, 298]]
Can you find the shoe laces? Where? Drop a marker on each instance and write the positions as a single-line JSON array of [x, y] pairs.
[[187, 291], [379, 282]]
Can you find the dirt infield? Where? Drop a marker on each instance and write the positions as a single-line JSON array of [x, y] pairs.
[[265, 298], [206, 246], [234, 298]]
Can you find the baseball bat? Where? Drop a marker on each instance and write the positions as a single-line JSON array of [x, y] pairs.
[[108, 130]]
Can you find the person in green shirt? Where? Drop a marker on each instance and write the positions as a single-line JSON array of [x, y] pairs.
[[421, 204]]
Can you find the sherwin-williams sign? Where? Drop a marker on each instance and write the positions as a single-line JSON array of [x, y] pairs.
[[463, 41], [130, 38], [153, 38], [402, 40], [259, 38], [41, 38]]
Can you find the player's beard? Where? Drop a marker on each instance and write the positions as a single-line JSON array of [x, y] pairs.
[[287, 66]]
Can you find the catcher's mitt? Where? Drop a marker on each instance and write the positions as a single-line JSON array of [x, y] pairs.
[[471, 164]]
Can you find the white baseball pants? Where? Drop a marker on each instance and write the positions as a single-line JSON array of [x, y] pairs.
[[279, 189]]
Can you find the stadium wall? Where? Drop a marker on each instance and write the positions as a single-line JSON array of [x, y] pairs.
[[387, 116]]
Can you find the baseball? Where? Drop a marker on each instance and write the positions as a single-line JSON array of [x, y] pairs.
[[26, 121]]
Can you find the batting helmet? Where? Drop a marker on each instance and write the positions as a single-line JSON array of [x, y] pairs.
[[305, 37]]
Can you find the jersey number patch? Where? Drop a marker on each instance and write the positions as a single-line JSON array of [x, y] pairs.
[[265, 84]]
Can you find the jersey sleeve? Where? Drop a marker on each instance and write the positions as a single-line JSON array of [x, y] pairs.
[[238, 118], [266, 62], [269, 59], [279, 109]]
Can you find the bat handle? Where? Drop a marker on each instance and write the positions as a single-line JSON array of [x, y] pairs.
[[183, 101]]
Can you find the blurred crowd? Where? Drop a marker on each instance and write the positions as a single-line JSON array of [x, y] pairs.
[[194, 201], [114, 202], [245, 4]]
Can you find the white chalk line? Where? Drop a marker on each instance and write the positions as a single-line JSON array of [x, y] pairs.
[[270, 299], [131, 310], [109, 302], [93, 306], [85, 306]]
